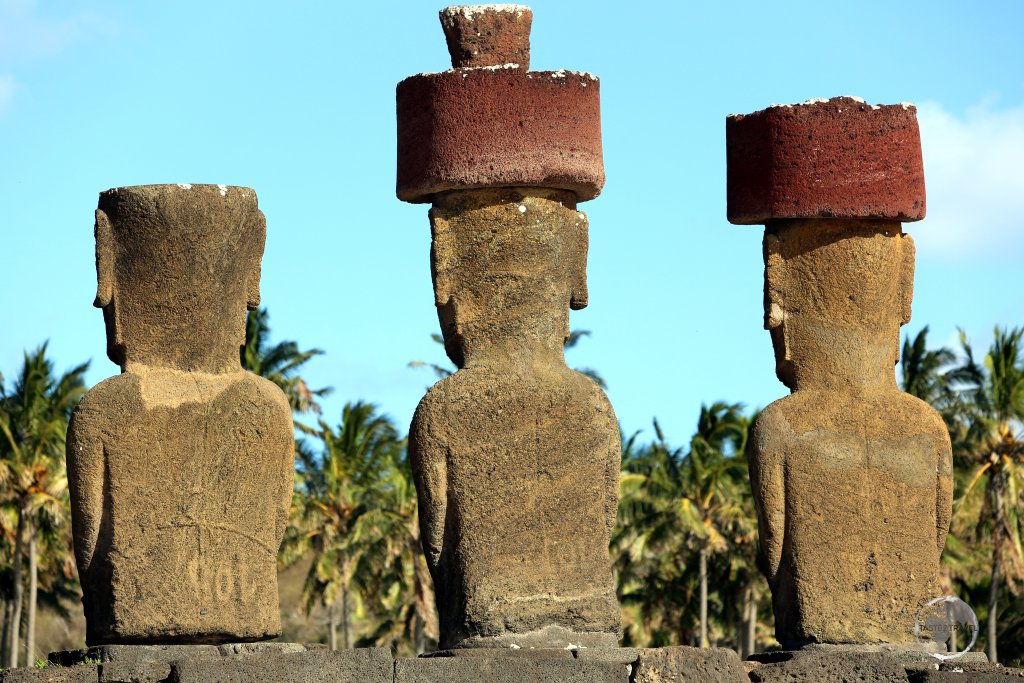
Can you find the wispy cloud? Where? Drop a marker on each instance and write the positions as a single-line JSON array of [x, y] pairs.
[[28, 32], [973, 173]]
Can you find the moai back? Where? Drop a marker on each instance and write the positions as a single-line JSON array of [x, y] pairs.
[[180, 468], [852, 478], [516, 456]]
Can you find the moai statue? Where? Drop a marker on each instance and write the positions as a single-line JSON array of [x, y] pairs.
[[851, 476], [516, 456], [180, 468]]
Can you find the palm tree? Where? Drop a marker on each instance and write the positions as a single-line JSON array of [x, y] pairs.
[[993, 445], [402, 592], [339, 511], [280, 363], [713, 468], [925, 373], [34, 416], [672, 505]]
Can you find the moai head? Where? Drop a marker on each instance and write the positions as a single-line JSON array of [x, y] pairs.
[[177, 266], [861, 302], [831, 180], [515, 285], [492, 144]]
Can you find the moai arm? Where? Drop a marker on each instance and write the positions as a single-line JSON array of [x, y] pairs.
[[288, 484], [944, 456], [428, 456], [766, 460], [86, 465], [943, 493]]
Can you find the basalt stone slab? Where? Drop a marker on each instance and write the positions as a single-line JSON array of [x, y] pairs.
[[371, 665], [828, 668], [840, 158], [50, 674], [503, 669], [690, 664], [970, 668], [146, 654]]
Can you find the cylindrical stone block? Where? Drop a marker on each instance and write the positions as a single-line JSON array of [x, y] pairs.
[[490, 123], [479, 128], [838, 158]]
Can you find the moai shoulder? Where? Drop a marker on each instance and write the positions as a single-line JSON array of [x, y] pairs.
[[851, 477], [180, 468]]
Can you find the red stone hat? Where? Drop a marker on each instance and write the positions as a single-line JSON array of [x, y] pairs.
[[839, 158], [489, 122]]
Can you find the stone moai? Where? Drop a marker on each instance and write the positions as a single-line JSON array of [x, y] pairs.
[[851, 477], [516, 457], [180, 468]]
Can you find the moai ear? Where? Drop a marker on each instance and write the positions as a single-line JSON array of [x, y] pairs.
[[906, 283], [253, 276], [578, 297], [774, 278], [104, 233], [442, 253]]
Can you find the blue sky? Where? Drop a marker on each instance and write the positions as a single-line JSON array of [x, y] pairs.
[[297, 101]]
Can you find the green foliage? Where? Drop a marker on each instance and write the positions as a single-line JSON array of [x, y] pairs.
[[676, 505], [280, 363], [34, 507]]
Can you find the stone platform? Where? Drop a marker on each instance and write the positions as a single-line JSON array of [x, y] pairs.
[[293, 662], [881, 666]]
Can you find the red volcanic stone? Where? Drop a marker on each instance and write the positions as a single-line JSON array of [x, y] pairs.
[[488, 35], [839, 158], [499, 127]]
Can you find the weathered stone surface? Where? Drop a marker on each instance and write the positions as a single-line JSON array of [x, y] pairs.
[[374, 665], [492, 123], [829, 668], [690, 664], [488, 35], [137, 655], [180, 468], [516, 456], [507, 670], [840, 158], [965, 672], [134, 672], [852, 478], [50, 674]]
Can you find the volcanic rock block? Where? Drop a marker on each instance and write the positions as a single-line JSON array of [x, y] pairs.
[[180, 468], [691, 664], [841, 158], [495, 124], [484, 35], [851, 476], [516, 457]]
